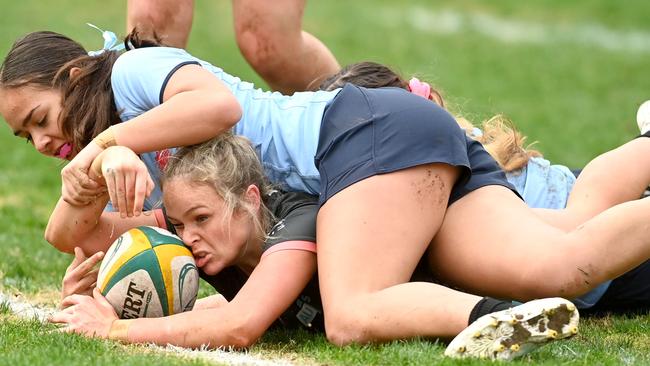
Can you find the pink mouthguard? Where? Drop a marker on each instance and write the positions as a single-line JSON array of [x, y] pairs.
[[66, 149]]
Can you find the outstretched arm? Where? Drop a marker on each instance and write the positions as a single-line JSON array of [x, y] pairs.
[[274, 284]]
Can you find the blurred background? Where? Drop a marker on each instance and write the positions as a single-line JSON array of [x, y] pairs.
[[570, 75]]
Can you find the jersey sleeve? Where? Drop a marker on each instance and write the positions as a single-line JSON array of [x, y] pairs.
[[295, 231], [139, 78]]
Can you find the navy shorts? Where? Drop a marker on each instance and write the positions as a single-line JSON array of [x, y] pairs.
[[365, 132], [627, 294]]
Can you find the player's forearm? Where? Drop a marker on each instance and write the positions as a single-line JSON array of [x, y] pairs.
[[185, 119], [221, 327], [210, 302], [90, 227], [69, 226]]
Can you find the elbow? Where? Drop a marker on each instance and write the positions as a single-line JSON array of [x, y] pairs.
[[243, 335], [237, 340], [54, 237], [228, 112], [242, 340]]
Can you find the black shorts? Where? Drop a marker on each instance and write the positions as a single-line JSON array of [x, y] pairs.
[[627, 294], [366, 132]]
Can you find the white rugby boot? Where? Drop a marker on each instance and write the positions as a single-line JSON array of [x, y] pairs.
[[643, 117], [511, 333]]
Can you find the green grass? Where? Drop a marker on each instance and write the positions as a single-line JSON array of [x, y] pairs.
[[25, 342], [605, 341], [576, 98]]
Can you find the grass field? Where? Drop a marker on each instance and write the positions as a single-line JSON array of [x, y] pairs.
[[569, 74]]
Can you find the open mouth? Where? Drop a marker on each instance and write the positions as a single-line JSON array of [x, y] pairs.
[[201, 259]]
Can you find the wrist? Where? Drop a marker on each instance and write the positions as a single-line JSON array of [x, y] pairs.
[[160, 218], [106, 138], [119, 330], [96, 166]]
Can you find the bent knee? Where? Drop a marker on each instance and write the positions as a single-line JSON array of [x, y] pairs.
[[342, 333], [563, 280], [347, 325], [260, 49]]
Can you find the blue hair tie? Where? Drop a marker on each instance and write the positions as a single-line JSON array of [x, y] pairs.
[[110, 42]]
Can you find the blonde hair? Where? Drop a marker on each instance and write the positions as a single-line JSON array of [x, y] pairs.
[[502, 140], [229, 164]]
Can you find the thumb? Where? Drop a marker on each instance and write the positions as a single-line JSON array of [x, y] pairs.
[[101, 300], [103, 303], [79, 256], [150, 186]]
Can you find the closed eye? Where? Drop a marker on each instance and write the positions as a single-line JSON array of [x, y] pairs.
[[42, 122]]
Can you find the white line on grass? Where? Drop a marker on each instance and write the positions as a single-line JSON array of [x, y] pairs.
[[447, 21], [23, 309]]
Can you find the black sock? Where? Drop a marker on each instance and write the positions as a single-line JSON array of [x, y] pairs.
[[486, 306]]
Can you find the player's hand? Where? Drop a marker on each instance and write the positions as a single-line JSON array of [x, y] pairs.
[[80, 277], [77, 188], [210, 302], [127, 179], [91, 316]]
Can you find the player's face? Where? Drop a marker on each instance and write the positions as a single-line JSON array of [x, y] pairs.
[[197, 213], [32, 113]]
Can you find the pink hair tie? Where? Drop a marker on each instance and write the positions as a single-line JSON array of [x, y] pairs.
[[420, 88]]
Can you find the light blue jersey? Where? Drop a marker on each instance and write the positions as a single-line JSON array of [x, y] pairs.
[[543, 185], [139, 78], [287, 152]]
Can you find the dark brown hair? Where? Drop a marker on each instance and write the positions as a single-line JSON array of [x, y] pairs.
[[44, 59], [367, 74]]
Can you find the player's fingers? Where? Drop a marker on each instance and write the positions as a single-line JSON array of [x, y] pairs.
[[75, 196], [79, 257], [88, 264], [63, 316], [129, 191], [101, 300], [120, 192], [85, 286], [109, 177], [72, 300], [150, 185], [141, 185]]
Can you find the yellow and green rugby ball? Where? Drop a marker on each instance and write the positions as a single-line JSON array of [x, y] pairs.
[[148, 272]]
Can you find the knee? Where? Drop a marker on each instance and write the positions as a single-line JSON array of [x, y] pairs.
[[266, 39], [258, 47], [345, 325], [564, 280], [147, 16]]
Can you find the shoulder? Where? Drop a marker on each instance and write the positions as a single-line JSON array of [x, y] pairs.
[[284, 204], [143, 62], [141, 56], [139, 77], [296, 218]]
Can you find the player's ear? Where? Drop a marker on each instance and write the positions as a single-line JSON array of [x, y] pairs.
[[74, 72], [252, 197]]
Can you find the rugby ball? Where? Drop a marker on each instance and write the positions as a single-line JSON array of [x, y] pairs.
[[148, 272]]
